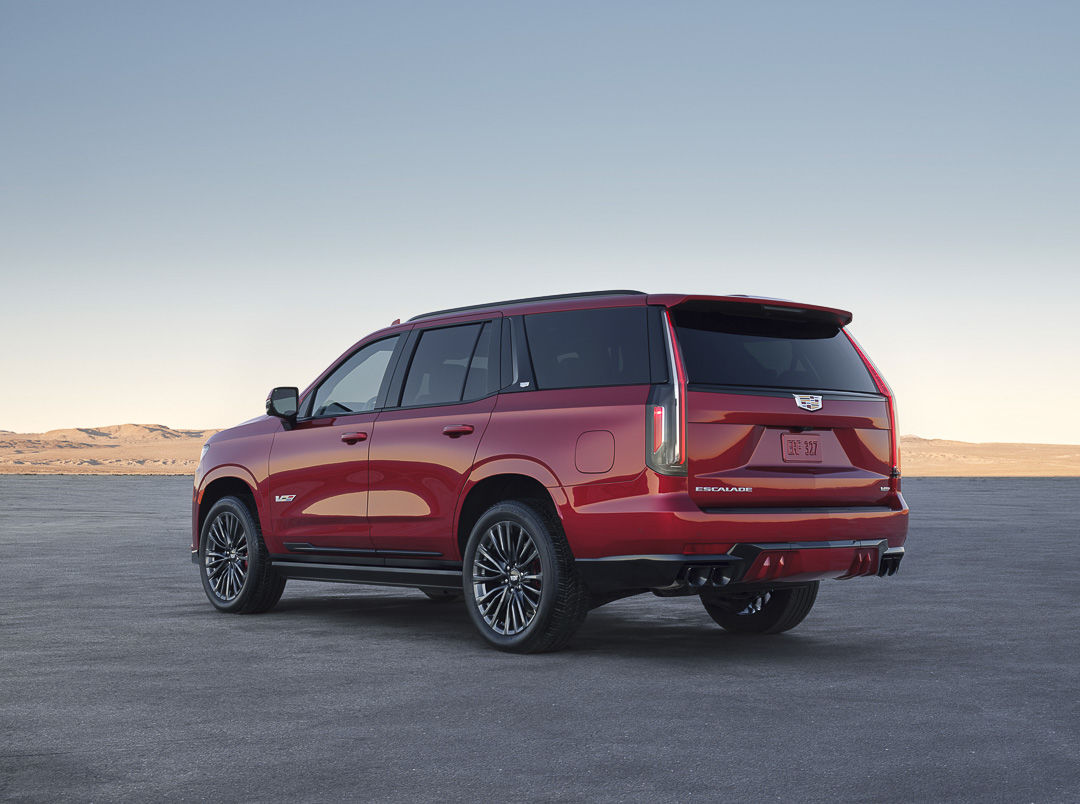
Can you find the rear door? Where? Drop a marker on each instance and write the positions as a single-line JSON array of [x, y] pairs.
[[424, 445], [781, 411]]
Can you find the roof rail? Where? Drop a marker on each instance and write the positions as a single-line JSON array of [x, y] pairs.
[[508, 302]]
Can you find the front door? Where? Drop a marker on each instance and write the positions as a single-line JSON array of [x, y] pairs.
[[319, 469]]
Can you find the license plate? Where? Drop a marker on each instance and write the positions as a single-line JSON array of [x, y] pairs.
[[800, 447]]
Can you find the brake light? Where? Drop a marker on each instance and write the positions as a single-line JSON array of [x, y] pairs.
[[886, 391], [667, 413], [680, 388], [657, 427]]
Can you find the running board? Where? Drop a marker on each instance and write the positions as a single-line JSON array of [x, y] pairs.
[[378, 576]]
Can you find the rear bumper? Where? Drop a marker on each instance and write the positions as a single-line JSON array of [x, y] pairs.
[[743, 564], [644, 518]]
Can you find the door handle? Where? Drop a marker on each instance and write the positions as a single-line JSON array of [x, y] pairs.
[[352, 438], [457, 430]]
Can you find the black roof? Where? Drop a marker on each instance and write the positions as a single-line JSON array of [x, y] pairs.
[[509, 302]]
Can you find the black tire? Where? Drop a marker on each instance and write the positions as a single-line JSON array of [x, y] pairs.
[[563, 601], [441, 595], [260, 587], [782, 610]]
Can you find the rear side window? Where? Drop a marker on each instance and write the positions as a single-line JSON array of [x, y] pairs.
[[733, 350], [444, 359], [589, 348]]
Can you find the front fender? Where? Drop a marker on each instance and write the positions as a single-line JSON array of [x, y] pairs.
[[202, 483]]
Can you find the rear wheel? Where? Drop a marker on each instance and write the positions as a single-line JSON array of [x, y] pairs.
[[233, 562], [768, 612], [522, 591]]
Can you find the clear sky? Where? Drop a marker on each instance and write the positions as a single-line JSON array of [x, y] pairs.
[[201, 200]]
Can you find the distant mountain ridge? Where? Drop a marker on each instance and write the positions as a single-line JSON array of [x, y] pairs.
[[140, 449], [937, 457], [156, 449]]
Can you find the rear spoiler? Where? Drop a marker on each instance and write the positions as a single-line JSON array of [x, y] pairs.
[[755, 307]]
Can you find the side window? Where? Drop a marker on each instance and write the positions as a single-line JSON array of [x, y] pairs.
[[483, 377], [440, 365], [354, 386], [589, 348]]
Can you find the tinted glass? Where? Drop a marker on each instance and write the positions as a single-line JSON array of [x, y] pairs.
[[732, 350], [508, 374], [439, 365], [588, 348], [483, 377], [354, 386]]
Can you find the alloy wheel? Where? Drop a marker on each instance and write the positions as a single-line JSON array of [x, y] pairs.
[[507, 578], [226, 556]]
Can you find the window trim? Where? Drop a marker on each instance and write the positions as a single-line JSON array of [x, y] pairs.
[[520, 358]]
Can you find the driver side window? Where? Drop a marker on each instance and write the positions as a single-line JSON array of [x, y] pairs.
[[354, 385]]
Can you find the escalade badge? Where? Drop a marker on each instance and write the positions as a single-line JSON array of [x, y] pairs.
[[808, 401]]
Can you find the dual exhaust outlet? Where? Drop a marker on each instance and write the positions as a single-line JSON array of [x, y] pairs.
[[698, 577], [890, 563]]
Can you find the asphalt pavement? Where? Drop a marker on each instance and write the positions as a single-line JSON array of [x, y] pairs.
[[958, 679]]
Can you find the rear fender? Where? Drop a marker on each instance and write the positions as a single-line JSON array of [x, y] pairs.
[[526, 467]]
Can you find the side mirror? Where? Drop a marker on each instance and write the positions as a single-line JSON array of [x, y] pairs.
[[284, 402]]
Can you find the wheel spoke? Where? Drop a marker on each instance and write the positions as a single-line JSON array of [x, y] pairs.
[[501, 542], [487, 556], [491, 569], [493, 610], [489, 593]]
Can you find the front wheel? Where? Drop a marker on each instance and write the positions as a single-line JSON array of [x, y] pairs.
[[233, 561], [770, 612], [522, 591]]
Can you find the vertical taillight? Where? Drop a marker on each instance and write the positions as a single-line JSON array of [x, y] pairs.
[[667, 412], [657, 428], [886, 391]]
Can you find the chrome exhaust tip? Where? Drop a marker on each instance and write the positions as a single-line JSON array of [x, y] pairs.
[[698, 577], [721, 576]]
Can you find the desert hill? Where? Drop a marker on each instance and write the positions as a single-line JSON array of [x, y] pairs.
[[124, 449], [154, 449], [935, 457]]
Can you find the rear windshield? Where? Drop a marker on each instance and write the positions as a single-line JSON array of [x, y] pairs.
[[589, 348], [733, 350]]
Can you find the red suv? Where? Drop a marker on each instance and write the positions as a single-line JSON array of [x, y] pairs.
[[541, 457]]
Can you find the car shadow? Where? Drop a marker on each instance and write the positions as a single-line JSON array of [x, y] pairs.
[[608, 631]]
